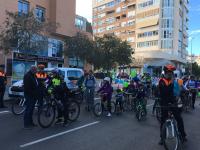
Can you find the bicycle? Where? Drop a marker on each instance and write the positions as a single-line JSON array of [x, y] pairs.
[[187, 101], [101, 107], [18, 106], [140, 106], [47, 115], [170, 132], [129, 104], [119, 104], [157, 109]]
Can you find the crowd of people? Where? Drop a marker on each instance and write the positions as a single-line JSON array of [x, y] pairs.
[[168, 87]]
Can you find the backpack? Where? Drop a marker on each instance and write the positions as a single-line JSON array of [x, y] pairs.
[[90, 82], [176, 89]]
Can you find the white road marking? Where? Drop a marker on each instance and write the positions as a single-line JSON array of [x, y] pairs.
[[58, 134], [4, 112]]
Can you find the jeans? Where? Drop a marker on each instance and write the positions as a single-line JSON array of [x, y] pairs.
[[2, 92], [28, 115], [90, 97]]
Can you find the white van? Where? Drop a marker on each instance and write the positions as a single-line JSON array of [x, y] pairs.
[[71, 76]]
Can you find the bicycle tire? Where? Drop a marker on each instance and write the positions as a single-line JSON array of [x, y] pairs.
[[98, 110], [73, 106], [165, 138], [46, 110], [112, 107], [17, 107]]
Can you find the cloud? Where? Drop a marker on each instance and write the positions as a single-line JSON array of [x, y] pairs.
[[84, 9], [194, 32]]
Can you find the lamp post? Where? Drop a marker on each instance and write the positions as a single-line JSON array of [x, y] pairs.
[[191, 52]]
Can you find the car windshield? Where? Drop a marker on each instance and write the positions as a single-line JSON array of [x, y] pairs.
[[74, 74]]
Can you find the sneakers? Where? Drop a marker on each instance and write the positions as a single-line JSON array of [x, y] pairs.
[[109, 115]]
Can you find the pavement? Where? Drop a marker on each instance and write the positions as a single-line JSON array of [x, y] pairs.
[[121, 132]]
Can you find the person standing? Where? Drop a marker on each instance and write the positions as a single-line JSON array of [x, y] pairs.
[[41, 78], [191, 85], [3, 82], [30, 92], [90, 83]]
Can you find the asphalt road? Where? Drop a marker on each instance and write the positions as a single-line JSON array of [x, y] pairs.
[[122, 132]]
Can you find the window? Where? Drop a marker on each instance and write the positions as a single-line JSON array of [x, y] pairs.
[[148, 34], [40, 13], [167, 44], [110, 4], [131, 14], [130, 39], [23, 7], [147, 44], [147, 4]]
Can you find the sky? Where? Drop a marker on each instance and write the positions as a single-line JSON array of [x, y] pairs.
[[84, 8]]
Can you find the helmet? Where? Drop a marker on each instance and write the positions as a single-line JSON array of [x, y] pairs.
[[41, 66], [169, 68], [107, 79]]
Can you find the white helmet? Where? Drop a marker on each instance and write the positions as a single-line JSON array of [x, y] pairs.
[[107, 79]]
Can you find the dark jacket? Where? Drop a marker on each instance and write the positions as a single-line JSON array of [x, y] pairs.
[[30, 85], [166, 89], [3, 80], [106, 89]]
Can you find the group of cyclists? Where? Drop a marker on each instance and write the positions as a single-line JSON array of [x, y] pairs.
[[168, 88]]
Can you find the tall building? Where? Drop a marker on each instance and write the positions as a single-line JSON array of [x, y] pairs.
[[156, 29], [59, 11]]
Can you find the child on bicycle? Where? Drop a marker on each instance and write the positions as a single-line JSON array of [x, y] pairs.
[[119, 98], [106, 91]]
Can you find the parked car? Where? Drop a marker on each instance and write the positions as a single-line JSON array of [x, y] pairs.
[[71, 76]]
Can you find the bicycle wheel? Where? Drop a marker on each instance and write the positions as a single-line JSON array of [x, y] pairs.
[[98, 110], [73, 110], [46, 115], [18, 107], [170, 137], [112, 107]]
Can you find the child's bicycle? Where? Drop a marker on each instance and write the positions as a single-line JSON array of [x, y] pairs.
[[141, 110], [119, 104], [101, 107]]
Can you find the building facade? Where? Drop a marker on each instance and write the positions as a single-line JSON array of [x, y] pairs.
[[59, 11], [156, 29]]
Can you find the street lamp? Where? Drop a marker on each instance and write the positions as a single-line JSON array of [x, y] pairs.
[[191, 52]]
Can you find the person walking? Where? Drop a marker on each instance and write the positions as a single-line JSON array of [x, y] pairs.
[[30, 92], [3, 82], [90, 83]]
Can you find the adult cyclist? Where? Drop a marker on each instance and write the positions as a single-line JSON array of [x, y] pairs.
[[166, 88]]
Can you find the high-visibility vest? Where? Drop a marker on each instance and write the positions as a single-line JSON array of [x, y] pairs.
[[167, 82], [2, 74], [56, 82], [41, 75]]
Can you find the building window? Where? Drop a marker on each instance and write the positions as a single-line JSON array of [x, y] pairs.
[[148, 34], [23, 7], [147, 4], [167, 44], [40, 13], [147, 44]]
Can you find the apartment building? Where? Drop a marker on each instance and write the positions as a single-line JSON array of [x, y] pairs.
[[59, 11], [156, 29]]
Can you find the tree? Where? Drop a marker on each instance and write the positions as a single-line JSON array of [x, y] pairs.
[[79, 47], [112, 51], [196, 69], [24, 32], [123, 54]]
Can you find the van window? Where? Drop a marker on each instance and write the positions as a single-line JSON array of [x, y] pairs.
[[74, 74]]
